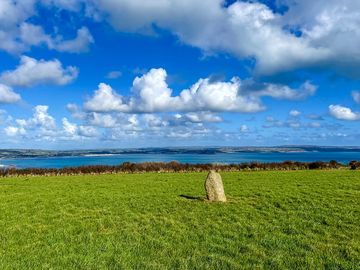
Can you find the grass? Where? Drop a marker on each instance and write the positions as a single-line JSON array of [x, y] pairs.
[[273, 220]]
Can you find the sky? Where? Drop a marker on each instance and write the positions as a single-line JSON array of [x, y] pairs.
[[80, 74]]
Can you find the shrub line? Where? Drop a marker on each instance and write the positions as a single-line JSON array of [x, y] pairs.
[[174, 166]]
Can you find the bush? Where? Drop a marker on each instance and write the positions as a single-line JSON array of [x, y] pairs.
[[354, 165]]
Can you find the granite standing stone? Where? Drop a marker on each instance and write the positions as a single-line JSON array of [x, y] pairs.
[[214, 187]]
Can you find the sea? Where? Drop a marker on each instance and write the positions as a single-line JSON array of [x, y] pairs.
[[193, 158]]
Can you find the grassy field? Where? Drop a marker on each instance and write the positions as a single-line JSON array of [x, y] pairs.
[[273, 220]]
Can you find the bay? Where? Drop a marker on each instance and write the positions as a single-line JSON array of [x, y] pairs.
[[237, 157]]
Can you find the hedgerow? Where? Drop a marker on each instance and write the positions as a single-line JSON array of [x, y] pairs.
[[175, 166]]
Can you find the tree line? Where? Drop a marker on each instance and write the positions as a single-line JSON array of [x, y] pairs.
[[175, 166]]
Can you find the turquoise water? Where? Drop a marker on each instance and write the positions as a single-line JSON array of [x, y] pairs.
[[60, 162]]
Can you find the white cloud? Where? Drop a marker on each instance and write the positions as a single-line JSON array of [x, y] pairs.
[[75, 111], [343, 113], [102, 120], [244, 29], [285, 92], [34, 35], [69, 128], [201, 117], [12, 14], [151, 93], [322, 34], [206, 95], [88, 131], [79, 44], [153, 121], [328, 24], [74, 132], [356, 96], [13, 131], [42, 126], [18, 35], [308, 34], [294, 113], [32, 72], [7, 95], [41, 118], [105, 100]]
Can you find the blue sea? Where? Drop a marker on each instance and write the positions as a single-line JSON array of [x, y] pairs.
[[238, 157]]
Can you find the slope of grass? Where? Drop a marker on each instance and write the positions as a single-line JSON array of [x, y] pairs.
[[273, 220]]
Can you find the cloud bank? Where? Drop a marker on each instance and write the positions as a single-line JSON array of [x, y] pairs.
[[151, 94]]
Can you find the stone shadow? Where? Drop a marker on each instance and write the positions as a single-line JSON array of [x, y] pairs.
[[195, 198]]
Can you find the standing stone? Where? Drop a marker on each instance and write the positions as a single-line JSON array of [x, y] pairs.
[[214, 187]]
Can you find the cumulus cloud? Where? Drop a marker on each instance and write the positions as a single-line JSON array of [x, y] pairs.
[[32, 72], [41, 122], [343, 113], [13, 131], [69, 128], [72, 131], [7, 95], [42, 126], [105, 99], [41, 118], [151, 93]]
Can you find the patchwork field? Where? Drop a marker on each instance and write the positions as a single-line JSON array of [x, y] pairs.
[[273, 220]]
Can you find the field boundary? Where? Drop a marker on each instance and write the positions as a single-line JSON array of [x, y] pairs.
[[176, 167]]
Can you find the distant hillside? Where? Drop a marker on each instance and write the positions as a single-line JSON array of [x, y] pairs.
[[29, 153]]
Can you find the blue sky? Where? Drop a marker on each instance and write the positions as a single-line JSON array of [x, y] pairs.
[[121, 73]]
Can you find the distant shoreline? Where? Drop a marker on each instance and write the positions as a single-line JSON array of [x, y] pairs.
[[38, 153]]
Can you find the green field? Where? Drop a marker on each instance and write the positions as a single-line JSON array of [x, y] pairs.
[[273, 220]]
